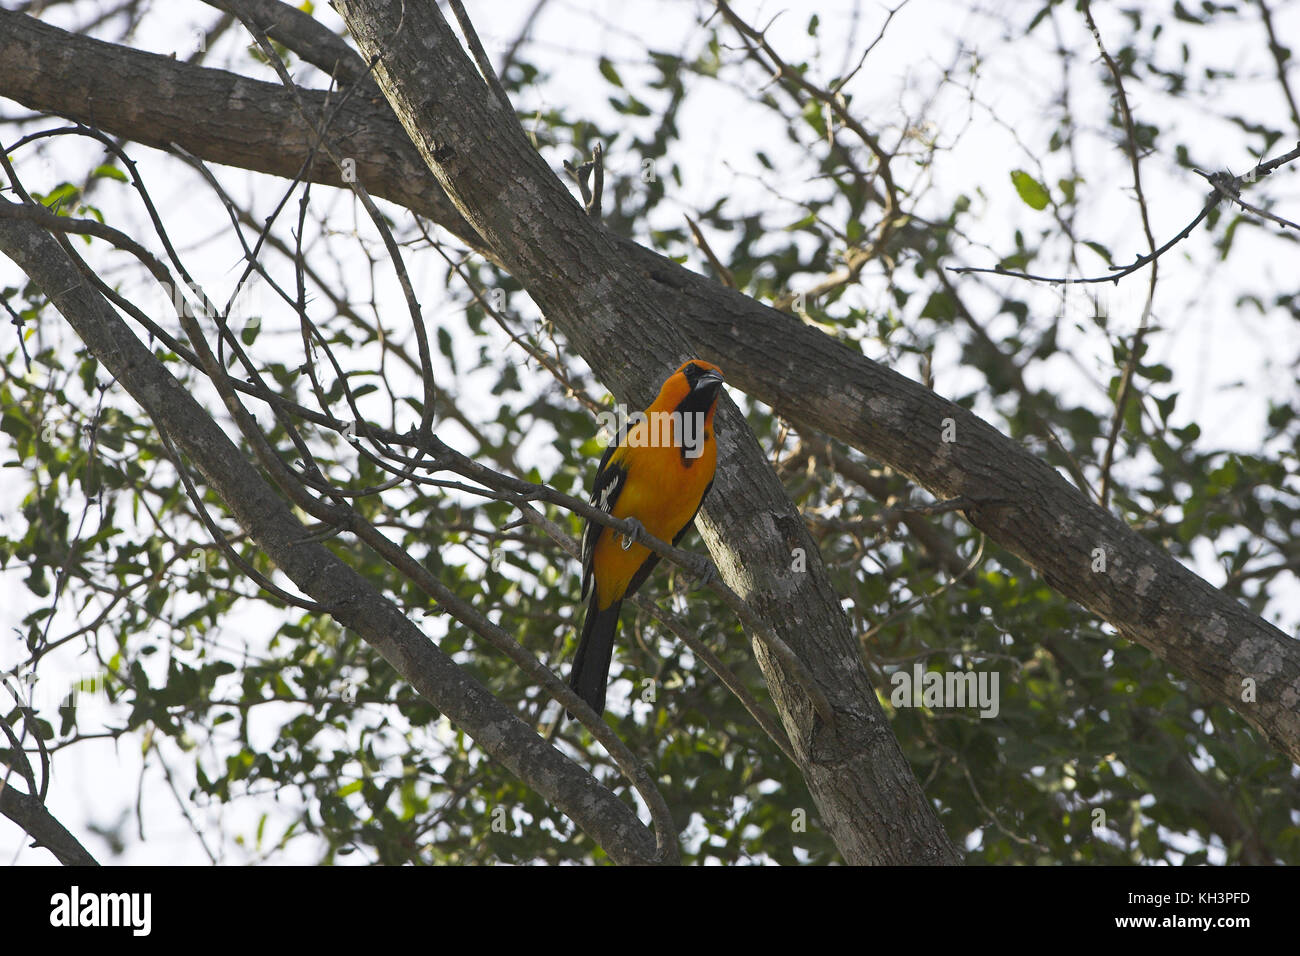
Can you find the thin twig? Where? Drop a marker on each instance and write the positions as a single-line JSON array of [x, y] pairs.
[[522, 36], [1213, 199], [1280, 57], [724, 274], [924, 598], [756, 41], [480, 55], [1224, 184], [1009, 364], [1135, 349], [880, 35], [394, 251]]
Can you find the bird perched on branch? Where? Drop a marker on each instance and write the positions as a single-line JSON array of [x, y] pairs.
[[656, 471]]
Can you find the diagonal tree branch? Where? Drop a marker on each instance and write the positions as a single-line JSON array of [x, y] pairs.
[[304, 34]]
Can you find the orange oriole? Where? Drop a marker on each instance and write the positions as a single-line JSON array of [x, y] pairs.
[[656, 471]]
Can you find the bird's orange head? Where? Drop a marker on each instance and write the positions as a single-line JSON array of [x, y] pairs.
[[694, 387]]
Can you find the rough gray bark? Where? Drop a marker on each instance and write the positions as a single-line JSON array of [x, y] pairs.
[[351, 599]]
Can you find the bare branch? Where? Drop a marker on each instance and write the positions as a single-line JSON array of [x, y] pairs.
[[1279, 59], [1135, 347], [724, 274], [1212, 200], [480, 56]]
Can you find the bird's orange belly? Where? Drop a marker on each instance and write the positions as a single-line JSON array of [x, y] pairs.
[[663, 499]]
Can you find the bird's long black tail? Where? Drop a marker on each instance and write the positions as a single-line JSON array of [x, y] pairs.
[[595, 650]]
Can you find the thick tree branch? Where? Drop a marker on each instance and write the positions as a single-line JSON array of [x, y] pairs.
[[157, 101], [302, 33]]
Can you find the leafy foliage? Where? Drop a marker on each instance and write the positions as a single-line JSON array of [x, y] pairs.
[[1097, 754]]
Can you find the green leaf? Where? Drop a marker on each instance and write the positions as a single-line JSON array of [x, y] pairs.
[[1101, 250], [939, 306], [108, 172], [1033, 192], [608, 72], [57, 197]]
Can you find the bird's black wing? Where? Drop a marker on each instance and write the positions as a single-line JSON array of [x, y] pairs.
[[604, 495]]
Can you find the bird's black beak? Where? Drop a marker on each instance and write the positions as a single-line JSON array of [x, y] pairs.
[[708, 383]]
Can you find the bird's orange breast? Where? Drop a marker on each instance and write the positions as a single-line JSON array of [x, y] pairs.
[[661, 491]]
